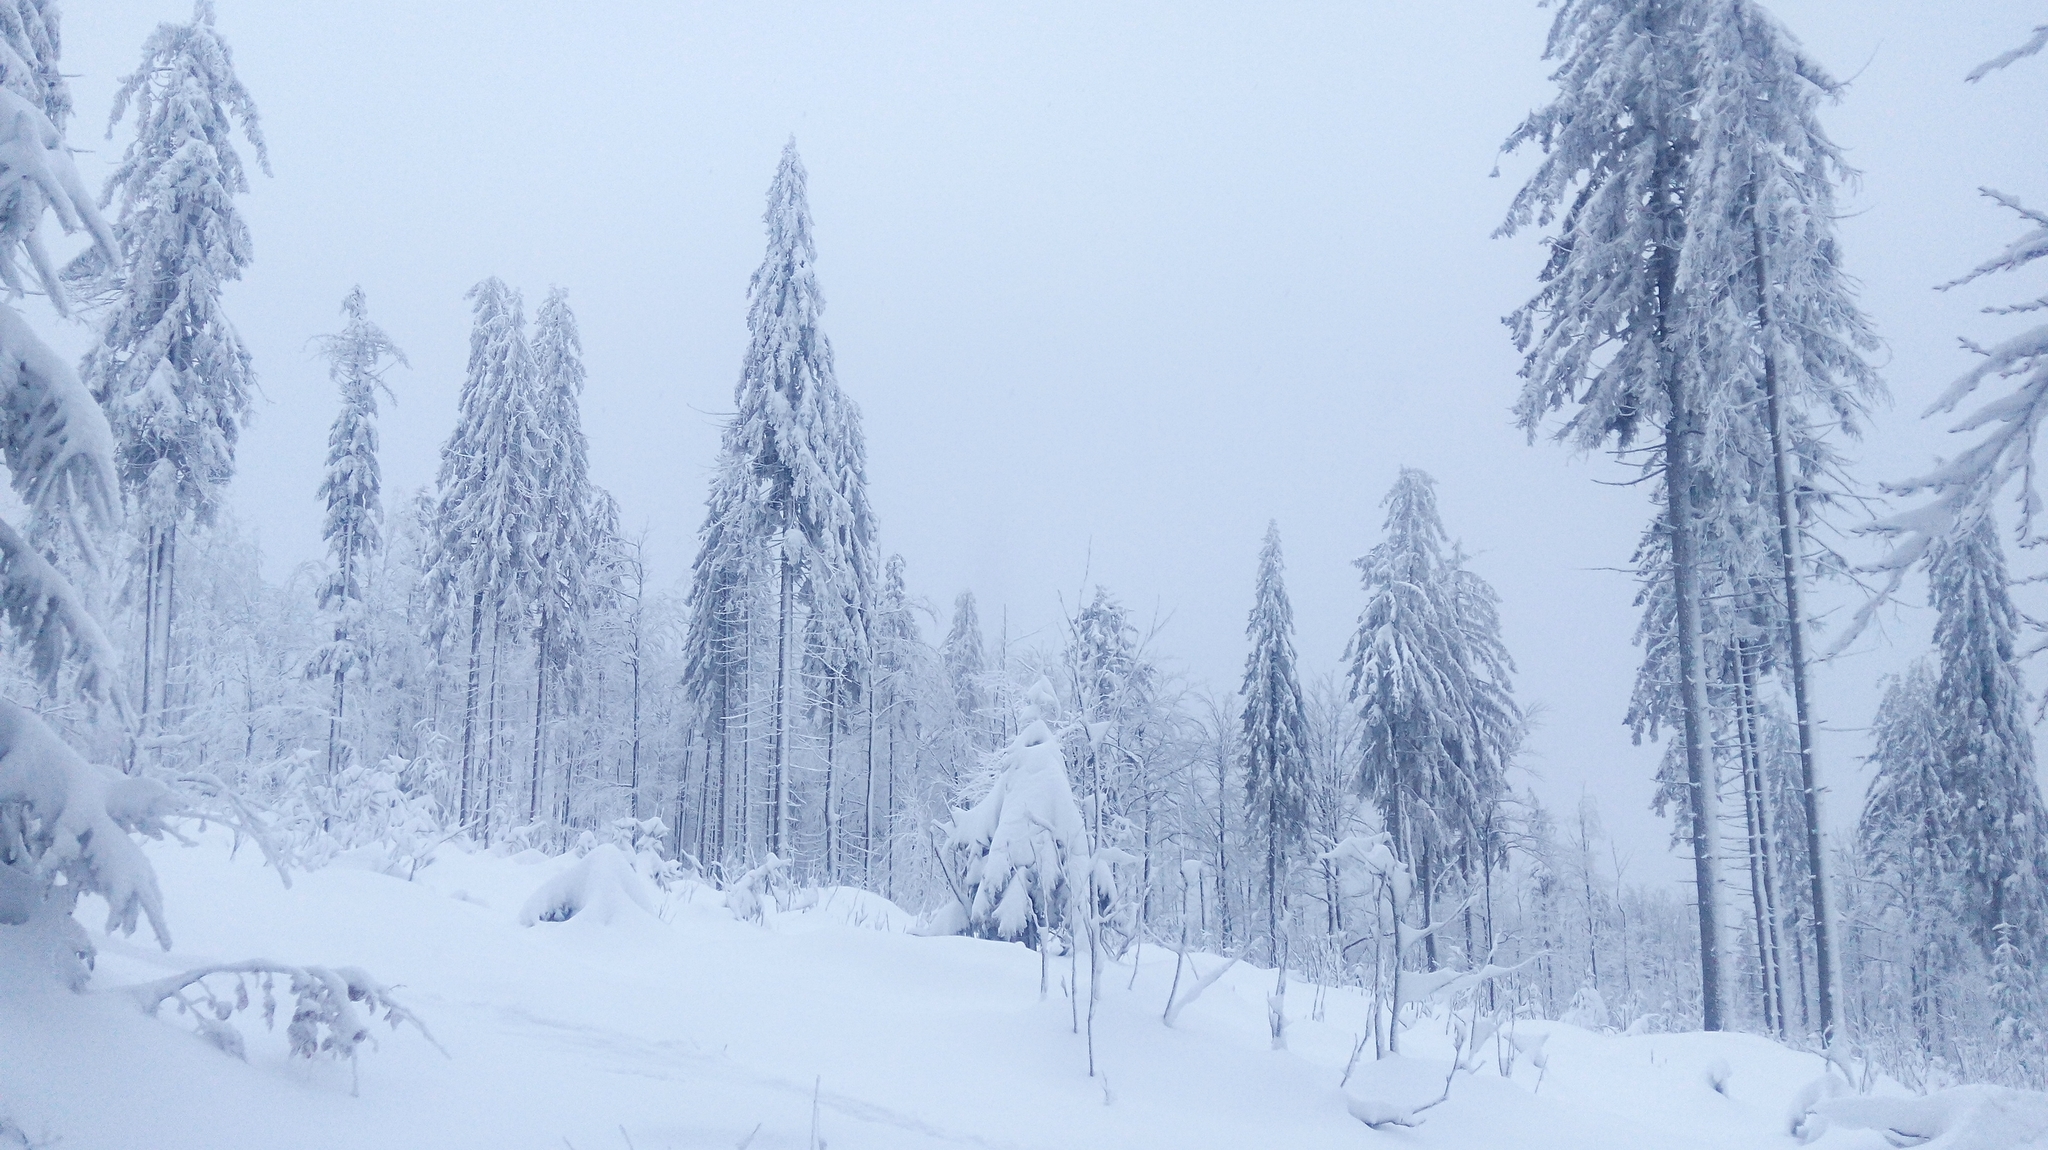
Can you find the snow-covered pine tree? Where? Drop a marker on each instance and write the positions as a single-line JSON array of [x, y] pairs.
[[353, 491], [1429, 675], [484, 515], [903, 670], [1604, 331], [716, 654], [166, 363], [1998, 843], [565, 540], [799, 438], [1274, 741], [1762, 260], [965, 665], [1906, 817]]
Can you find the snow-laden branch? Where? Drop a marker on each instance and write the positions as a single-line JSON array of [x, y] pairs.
[[332, 1010]]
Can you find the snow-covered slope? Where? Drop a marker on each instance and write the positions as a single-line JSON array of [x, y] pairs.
[[831, 1025]]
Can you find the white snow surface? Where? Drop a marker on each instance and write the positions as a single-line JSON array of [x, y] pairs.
[[683, 1027]]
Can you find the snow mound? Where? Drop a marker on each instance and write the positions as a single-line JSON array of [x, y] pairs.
[[1959, 1118], [851, 906], [599, 887]]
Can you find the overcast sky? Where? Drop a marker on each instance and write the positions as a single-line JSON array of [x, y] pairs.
[[1113, 284]]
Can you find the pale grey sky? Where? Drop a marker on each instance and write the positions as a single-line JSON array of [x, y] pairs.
[[1113, 283]]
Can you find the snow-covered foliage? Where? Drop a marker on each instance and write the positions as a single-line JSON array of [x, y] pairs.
[[1430, 677], [64, 831], [783, 590], [167, 363], [331, 1012], [599, 887], [1016, 857], [1275, 727], [383, 817], [352, 488]]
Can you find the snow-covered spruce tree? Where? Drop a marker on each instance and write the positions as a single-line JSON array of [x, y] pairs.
[[1903, 838], [1275, 730], [353, 491], [484, 517], [1430, 678], [899, 705], [799, 438], [716, 650], [1605, 330], [1012, 854], [166, 363], [1762, 262], [965, 665], [1998, 841], [565, 543]]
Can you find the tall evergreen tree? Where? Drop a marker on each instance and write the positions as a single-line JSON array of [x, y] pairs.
[[166, 363], [1606, 330], [716, 655], [799, 438], [565, 542], [1430, 676], [353, 491], [1998, 841], [965, 664], [1275, 728], [484, 515], [1762, 257]]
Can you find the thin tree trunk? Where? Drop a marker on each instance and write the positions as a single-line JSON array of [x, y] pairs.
[[831, 812], [778, 802], [170, 573], [1752, 793], [867, 802], [491, 731], [1789, 556], [469, 711], [540, 696], [1698, 764]]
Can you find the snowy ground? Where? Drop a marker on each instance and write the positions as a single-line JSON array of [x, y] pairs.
[[694, 1030]]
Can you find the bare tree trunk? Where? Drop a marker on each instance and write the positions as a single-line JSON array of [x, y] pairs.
[[778, 802], [170, 573], [867, 802], [1699, 769], [540, 696], [1747, 754], [831, 812], [469, 712], [491, 731], [1790, 548]]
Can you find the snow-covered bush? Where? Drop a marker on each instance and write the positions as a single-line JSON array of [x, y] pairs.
[[599, 887], [1012, 855], [378, 817], [1588, 1010], [644, 841], [753, 892]]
